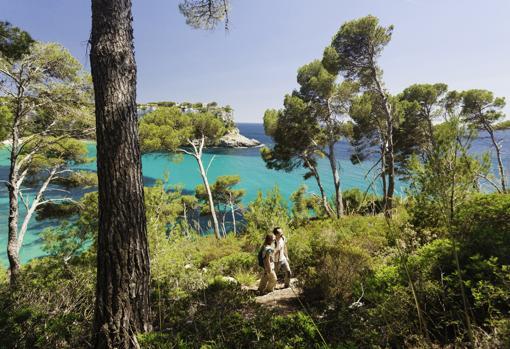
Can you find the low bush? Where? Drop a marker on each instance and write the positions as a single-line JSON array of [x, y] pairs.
[[51, 307]]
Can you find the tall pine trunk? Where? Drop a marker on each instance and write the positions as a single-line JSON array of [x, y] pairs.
[[391, 172], [12, 188], [336, 180], [123, 271]]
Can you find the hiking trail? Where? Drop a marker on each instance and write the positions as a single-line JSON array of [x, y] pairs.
[[283, 300]]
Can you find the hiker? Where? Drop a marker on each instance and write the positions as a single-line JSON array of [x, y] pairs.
[[268, 279], [281, 255]]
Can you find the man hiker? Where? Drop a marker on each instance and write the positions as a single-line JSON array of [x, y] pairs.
[[268, 279], [281, 255]]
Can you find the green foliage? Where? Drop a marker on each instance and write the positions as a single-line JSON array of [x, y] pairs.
[[234, 263], [217, 318], [223, 192], [5, 120], [447, 179], [208, 126], [71, 238], [78, 179], [295, 133], [304, 206], [164, 129], [60, 210], [481, 108], [368, 128], [271, 122], [503, 125], [201, 14], [227, 200], [57, 153], [168, 128], [357, 202], [57, 93], [341, 255], [421, 105], [51, 308], [14, 42], [484, 226], [264, 214], [358, 44]]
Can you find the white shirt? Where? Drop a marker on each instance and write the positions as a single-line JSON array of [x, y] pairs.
[[280, 250]]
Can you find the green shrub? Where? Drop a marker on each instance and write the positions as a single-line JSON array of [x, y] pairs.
[[357, 202], [338, 256], [234, 263], [263, 215], [51, 307], [484, 226]]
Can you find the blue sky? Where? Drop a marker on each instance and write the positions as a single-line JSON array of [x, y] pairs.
[[463, 43]]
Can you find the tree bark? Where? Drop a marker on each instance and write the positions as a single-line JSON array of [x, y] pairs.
[[123, 268], [336, 180], [13, 189]]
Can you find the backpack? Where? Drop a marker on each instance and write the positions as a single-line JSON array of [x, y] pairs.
[[261, 257]]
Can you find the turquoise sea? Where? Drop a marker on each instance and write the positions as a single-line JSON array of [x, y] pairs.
[[243, 162]]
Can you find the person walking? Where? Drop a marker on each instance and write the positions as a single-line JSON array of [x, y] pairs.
[[266, 261], [282, 256]]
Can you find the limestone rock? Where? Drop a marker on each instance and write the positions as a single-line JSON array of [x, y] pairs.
[[234, 139]]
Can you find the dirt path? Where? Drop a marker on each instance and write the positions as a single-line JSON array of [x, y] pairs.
[[283, 300]]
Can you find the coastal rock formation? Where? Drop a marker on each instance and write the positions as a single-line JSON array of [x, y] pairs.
[[234, 139]]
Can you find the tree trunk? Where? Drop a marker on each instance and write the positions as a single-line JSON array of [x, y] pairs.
[[391, 174], [383, 174], [232, 210], [336, 180], [185, 213], [498, 155], [12, 245], [390, 161], [317, 177], [216, 226], [13, 189], [123, 270]]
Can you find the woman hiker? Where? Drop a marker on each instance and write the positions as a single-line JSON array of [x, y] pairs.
[[266, 261], [281, 255]]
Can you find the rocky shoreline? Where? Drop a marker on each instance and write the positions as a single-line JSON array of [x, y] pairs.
[[234, 139]]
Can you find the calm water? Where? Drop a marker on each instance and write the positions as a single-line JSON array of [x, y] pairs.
[[243, 162]]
